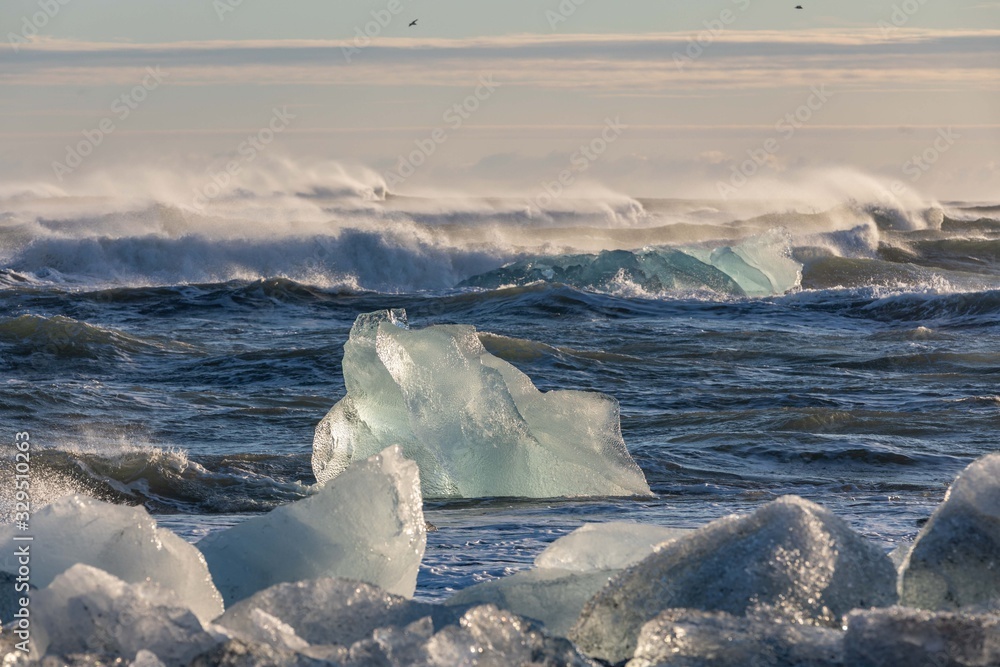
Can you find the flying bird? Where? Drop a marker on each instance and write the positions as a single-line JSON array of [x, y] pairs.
[[798, 6], [413, 22]]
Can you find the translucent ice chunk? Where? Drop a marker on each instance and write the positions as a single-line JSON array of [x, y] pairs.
[[474, 424], [955, 561], [686, 637], [123, 541], [569, 572], [901, 636], [791, 559], [605, 546], [484, 636], [86, 610], [368, 525], [328, 611]]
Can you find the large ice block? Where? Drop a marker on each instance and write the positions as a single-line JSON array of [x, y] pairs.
[[87, 611], [475, 425], [791, 559], [368, 524], [123, 541], [569, 572], [955, 561]]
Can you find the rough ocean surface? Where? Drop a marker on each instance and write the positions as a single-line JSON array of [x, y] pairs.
[[181, 360]]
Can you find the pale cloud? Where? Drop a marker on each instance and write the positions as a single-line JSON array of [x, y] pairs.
[[627, 64]]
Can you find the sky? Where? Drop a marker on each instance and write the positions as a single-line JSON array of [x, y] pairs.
[[650, 98]]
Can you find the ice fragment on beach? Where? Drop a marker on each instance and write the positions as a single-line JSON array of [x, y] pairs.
[[88, 611], [368, 524], [689, 638], [790, 559], [901, 636], [569, 572], [475, 425], [327, 611], [605, 546], [955, 561], [484, 636], [123, 541]]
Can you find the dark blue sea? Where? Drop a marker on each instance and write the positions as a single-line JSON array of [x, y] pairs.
[[179, 359]]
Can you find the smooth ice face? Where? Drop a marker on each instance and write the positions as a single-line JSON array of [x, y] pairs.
[[790, 559], [955, 561], [687, 637], [368, 525], [569, 572], [86, 610], [475, 425], [328, 611], [123, 541], [605, 546], [900, 637]]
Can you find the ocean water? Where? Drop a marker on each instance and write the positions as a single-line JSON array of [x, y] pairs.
[[847, 352]]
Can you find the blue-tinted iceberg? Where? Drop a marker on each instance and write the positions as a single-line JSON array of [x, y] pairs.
[[368, 525], [123, 541], [955, 561], [475, 425], [760, 266]]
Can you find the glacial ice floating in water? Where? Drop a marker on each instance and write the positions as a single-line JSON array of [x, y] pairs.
[[123, 541], [955, 560], [475, 425], [368, 524], [791, 559], [759, 266], [85, 610], [900, 636], [569, 572], [688, 637]]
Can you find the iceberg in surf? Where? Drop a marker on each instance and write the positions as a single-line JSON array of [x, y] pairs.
[[123, 541], [791, 560], [475, 425], [368, 525], [955, 561], [569, 572], [760, 266]]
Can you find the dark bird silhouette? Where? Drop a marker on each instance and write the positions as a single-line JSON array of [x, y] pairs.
[[413, 22], [798, 6]]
